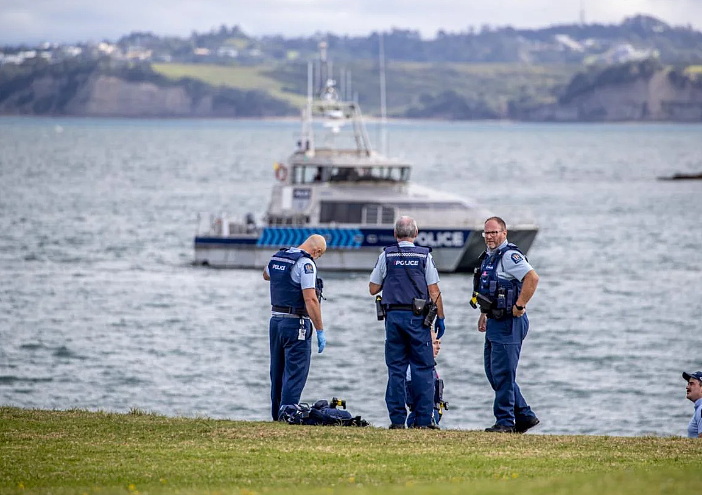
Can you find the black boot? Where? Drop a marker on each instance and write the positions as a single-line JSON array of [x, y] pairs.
[[522, 425], [500, 429]]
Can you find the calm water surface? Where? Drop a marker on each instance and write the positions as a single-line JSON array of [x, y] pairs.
[[101, 309]]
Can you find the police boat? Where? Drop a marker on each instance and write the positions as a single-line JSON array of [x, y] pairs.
[[352, 195]]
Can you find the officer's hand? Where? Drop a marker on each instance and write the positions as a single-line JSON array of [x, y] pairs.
[[321, 340], [517, 312], [482, 322], [441, 327]]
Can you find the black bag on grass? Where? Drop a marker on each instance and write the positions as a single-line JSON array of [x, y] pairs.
[[320, 413]]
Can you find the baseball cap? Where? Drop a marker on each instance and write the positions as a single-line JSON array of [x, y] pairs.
[[695, 374]]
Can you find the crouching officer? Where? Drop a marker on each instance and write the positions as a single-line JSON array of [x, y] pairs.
[[440, 405], [293, 276], [503, 287], [409, 280]]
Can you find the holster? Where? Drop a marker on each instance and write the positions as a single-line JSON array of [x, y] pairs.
[[319, 289], [438, 392], [380, 310], [485, 303], [419, 306]]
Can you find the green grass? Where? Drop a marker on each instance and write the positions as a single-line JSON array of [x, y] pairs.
[[76, 452], [693, 69], [240, 77]]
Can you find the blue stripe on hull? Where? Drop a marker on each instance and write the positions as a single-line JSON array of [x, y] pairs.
[[291, 236], [340, 238]]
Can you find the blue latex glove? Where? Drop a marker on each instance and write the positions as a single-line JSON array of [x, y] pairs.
[[321, 340], [441, 327]]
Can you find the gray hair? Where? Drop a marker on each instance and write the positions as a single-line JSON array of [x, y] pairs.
[[406, 228]]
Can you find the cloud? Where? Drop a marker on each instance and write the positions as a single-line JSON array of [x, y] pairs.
[[79, 20]]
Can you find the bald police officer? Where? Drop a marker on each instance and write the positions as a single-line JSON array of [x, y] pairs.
[[505, 284], [292, 273], [405, 272]]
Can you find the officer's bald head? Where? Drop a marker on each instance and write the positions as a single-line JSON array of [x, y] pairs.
[[315, 244], [406, 229]]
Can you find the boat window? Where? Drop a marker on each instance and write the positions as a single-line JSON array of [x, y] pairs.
[[310, 174], [344, 174], [392, 174], [378, 215], [332, 211], [294, 220], [347, 212]]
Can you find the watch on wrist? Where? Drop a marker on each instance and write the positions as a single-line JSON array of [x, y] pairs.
[[520, 308]]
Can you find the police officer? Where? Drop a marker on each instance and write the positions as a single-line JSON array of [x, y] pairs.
[[694, 394], [405, 273], [293, 276], [505, 284]]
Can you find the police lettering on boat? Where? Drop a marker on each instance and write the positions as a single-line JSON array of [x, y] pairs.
[[351, 195]]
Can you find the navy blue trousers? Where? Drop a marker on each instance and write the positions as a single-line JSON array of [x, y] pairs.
[[408, 342], [413, 417], [501, 360], [290, 360]]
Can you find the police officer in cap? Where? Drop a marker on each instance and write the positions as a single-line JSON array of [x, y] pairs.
[[504, 285], [295, 307], [409, 280]]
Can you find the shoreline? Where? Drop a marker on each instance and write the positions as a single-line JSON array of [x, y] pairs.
[[367, 120]]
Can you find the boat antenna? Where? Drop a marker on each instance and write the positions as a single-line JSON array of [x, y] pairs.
[[342, 83], [349, 94], [323, 67], [383, 106], [307, 133]]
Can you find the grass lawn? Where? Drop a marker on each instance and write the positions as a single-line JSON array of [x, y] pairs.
[[76, 452]]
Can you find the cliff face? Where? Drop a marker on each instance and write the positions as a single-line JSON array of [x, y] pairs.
[[109, 95], [658, 95], [98, 96], [132, 92]]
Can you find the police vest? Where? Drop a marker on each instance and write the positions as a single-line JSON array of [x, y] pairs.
[[503, 293], [284, 292], [406, 274]]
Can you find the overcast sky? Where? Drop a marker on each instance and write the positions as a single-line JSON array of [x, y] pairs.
[[31, 21]]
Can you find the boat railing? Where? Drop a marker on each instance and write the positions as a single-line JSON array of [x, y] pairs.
[[209, 225]]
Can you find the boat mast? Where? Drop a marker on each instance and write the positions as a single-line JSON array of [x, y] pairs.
[[308, 120], [383, 106]]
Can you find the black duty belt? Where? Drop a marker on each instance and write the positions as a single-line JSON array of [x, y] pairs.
[[289, 310], [399, 307]]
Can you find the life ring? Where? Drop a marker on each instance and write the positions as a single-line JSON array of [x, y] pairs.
[[281, 172]]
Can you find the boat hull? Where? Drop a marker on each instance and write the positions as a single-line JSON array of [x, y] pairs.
[[348, 249]]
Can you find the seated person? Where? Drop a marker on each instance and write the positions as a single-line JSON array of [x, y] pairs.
[[439, 404]]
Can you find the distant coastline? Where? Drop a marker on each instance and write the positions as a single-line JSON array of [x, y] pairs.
[[644, 91]]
